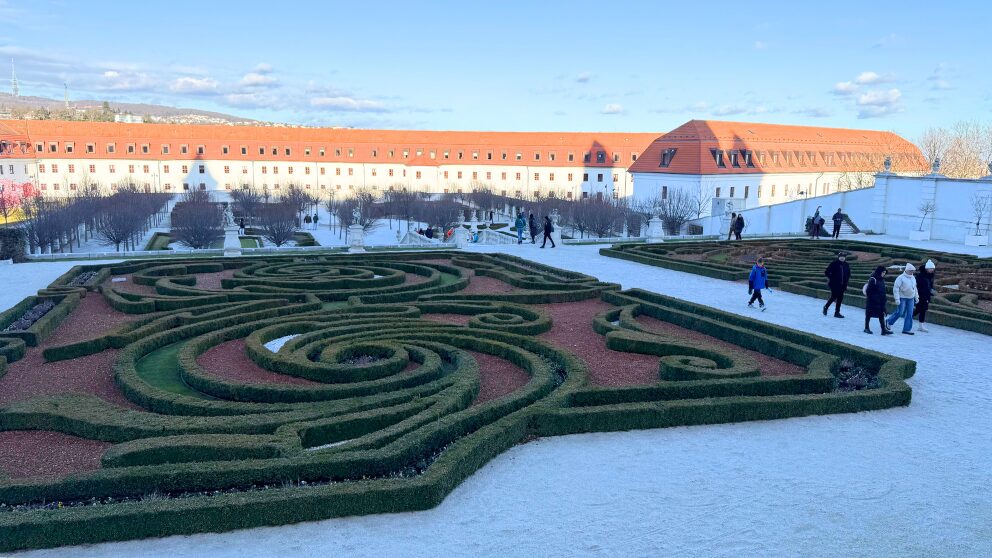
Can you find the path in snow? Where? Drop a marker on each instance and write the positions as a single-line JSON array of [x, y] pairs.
[[911, 481], [278, 342]]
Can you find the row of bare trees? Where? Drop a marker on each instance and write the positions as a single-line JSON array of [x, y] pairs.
[[964, 149], [120, 219], [197, 221]]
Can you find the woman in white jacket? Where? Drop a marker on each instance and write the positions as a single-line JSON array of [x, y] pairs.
[[906, 296]]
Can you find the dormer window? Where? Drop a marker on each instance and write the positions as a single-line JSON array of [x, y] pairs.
[[667, 156], [734, 160], [748, 157], [718, 157]]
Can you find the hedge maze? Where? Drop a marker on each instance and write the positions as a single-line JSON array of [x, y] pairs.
[[964, 283], [159, 398]]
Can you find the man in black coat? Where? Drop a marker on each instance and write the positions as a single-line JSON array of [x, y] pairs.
[[838, 274], [838, 220]]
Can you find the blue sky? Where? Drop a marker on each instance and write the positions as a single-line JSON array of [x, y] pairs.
[[568, 66]]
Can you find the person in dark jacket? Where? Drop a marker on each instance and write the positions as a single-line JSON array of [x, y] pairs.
[[430, 232], [738, 226], [926, 288], [733, 224], [532, 224], [838, 274], [241, 226], [548, 229], [838, 219], [520, 224], [757, 280], [815, 224], [875, 300]]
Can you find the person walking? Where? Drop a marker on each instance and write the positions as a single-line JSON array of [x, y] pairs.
[[520, 223], [925, 290], [739, 226], [532, 225], [756, 281], [906, 296], [316, 219], [874, 291], [241, 226], [548, 229], [733, 224], [838, 219], [838, 274]]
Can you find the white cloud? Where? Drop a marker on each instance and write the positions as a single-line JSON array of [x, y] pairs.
[[729, 110], [251, 100], [255, 79], [263, 68], [193, 85], [349, 104], [698, 105], [844, 88], [583, 77], [814, 112], [114, 80], [877, 103], [612, 108], [865, 78]]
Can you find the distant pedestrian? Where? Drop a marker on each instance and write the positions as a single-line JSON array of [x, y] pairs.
[[925, 289], [548, 229], [241, 226], [429, 233], [906, 296], [874, 291], [520, 223], [307, 220], [739, 226], [532, 224], [733, 224], [491, 217], [838, 219], [838, 274], [756, 281], [316, 219], [815, 224]]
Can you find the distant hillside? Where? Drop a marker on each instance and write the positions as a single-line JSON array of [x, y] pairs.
[[161, 113]]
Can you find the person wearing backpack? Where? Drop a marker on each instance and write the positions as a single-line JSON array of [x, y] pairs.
[[548, 229], [520, 223], [838, 274], [756, 281], [874, 291]]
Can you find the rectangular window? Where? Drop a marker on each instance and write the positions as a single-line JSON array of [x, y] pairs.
[[375, 153], [351, 171], [145, 148], [337, 151], [667, 156], [306, 151], [551, 156], [537, 155], [773, 190], [518, 176], [321, 151], [446, 154], [418, 174], [489, 176], [587, 157], [503, 156], [90, 148], [111, 148], [718, 158], [461, 155], [227, 169], [373, 172], [93, 168], [41, 168], [130, 148], [585, 177], [322, 169], [459, 175], [288, 151], [599, 177], [503, 176], [337, 171], [633, 157], [475, 154], [144, 168], [731, 191], [616, 178], [130, 169], [55, 168], [275, 169], [351, 152], [746, 191], [600, 157], [200, 150], [290, 170], [433, 154], [519, 155], [165, 149], [445, 174], [225, 150], [183, 149], [537, 176], [475, 175], [203, 169], [390, 172], [68, 148], [664, 192], [570, 177], [275, 151], [261, 151], [265, 169], [616, 157], [489, 155], [717, 193], [112, 169], [306, 170]]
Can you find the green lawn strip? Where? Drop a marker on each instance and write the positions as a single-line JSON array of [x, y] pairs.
[[160, 368]]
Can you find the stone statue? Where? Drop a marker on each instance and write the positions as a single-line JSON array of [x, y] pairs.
[[990, 168], [356, 216], [888, 164], [555, 216], [936, 166]]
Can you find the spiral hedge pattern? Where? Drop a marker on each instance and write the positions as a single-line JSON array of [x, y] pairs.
[[361, 402], [964, 283]]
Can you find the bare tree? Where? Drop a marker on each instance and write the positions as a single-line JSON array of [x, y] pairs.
[[246, 203], [278, 222], [926, 208], [196, 221], [980, 208], [676, 209], [934, 143]]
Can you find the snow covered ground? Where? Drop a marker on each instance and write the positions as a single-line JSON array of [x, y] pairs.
[[22, 280], [938, 245], [911, 481]]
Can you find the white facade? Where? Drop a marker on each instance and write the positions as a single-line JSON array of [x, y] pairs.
[[747, 190]]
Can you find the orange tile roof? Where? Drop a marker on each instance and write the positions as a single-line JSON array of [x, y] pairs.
[[363, 142], [776, 148]]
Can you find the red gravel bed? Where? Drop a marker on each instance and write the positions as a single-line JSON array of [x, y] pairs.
[[211, 281], [129, 286], [486, 285], [28, 453], [229, 361], [33, 377], [572, 330], [499, 377], [414, 279], [769, 366], [92, 318]]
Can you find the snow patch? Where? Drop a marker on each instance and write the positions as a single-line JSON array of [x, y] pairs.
[[325, 446], [278, 342]]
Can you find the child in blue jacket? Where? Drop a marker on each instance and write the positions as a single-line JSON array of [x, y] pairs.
[[755, 282]]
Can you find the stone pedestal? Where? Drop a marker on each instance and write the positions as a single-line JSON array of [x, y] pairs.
[[656, 231], [356, 239]]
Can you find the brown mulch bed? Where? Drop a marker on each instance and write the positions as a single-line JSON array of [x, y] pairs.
[[32, 376], [229, 361], [866, 256], [486, 285], [454, 319], [211, 281], [572, 330], [769, 366], [499, 377], [29, 453]]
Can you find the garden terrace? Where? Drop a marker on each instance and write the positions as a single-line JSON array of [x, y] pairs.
[[963, 283], [239, 392]]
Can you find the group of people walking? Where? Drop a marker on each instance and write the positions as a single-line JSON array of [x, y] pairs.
[[530, 226], [911, 292], [817, 222], [736, 226]]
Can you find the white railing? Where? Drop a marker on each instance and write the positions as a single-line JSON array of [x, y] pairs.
[[118, 255]]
